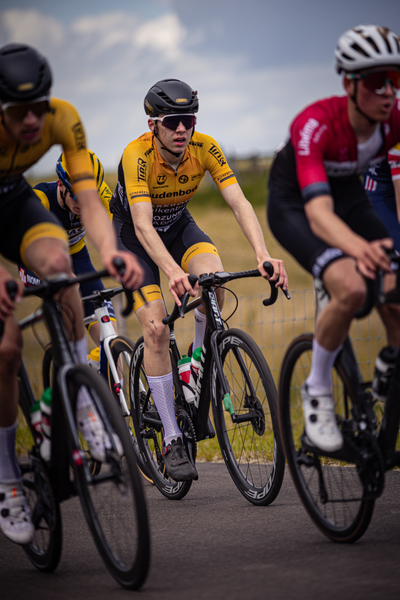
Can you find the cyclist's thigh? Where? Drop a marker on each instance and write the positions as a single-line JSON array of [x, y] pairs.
[[190, 245], [387, 213]]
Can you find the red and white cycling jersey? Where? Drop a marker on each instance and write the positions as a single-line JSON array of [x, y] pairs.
[[325, 144]]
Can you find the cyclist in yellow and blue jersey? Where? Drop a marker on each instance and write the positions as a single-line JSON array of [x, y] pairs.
[[30, 124], [58, 198], [157, 176]]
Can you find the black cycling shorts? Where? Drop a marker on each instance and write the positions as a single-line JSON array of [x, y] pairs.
[[290, 226], [24, 219], [183, 240]]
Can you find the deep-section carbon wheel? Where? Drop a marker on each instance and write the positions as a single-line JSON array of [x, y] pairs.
[[113, 500], [122, 349], [45, 549], [331, 490], [249, 439], [149, 429]]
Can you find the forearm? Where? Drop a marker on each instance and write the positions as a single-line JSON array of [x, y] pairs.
[[251, 228], [98, 226], [153, 245]]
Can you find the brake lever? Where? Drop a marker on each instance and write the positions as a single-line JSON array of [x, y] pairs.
[[185, 297], [274, 290]]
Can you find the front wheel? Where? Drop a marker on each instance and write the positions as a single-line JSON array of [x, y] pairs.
[[330, 490], [149, 429], [113, 500], [249, 438]]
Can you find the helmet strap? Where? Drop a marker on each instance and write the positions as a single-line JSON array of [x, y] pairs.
[[358, 109], [63, 195]]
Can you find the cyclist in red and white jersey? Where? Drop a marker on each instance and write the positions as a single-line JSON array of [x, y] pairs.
[[319, 211]]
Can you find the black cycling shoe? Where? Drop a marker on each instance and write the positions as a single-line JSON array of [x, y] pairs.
[[177, 463]]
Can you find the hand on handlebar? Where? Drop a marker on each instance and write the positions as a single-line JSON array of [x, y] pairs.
[[10, 291], [279, 273], [182, 284], [372, 256], [131, 274]]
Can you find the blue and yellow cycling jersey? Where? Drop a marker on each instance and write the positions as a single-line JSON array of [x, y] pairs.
[[47, 193], [144, 176]]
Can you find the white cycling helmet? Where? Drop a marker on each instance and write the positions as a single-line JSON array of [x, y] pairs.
[[367, 46]]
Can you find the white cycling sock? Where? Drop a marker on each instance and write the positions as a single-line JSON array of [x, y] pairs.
[[162, 391], [9, 469], [319, 380], [200, 324]]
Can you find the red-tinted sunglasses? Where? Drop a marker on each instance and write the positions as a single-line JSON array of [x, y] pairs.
[[18, 111], [172, 121], [377, 81]]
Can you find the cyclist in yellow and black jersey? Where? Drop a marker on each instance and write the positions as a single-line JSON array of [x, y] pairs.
[[58, 198], [30, 123], [157, 176]]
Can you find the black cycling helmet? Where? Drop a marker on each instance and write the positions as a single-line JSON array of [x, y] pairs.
[[170, 96], [25, 74]]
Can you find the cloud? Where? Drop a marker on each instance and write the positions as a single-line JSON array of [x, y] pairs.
[[105, 64]]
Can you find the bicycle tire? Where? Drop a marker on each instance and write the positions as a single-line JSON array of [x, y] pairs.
[[150, 437], [122, 349], [337, 506], [44, 551], [251, 448], [113, 501]]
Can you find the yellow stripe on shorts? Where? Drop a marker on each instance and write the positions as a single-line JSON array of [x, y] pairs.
[[200, 248], [150, 292], [41, 230]]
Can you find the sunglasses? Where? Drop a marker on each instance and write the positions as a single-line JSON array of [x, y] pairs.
[[377, 81], [172, 121], [18, 110]]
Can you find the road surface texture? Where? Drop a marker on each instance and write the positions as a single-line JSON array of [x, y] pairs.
[[214, 544]]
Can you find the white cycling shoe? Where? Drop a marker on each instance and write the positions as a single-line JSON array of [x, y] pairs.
[[320, 421], [92, 429], [15, 516]]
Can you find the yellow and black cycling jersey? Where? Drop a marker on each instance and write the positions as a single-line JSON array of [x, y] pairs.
[[47, 193], [62, 126], [144, 176]]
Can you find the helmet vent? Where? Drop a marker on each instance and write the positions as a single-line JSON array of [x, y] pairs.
[[358, 48]]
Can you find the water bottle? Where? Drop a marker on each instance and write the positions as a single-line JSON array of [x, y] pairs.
[[384, 367], [94, 359], [36, 420], [45, 409], [184, 373], [195, 366]]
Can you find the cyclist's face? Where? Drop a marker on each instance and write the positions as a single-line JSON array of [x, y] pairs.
[[25, 131], [72, 204], [175, 140], [377, 106]]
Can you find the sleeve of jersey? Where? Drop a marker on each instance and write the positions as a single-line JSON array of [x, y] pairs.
[[394, 162], [309, 139], [136, 168], [105, 196], [69, 132], [216, 164], [42, 197]]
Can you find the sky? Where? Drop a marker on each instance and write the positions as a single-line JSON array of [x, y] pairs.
[[255, 64]]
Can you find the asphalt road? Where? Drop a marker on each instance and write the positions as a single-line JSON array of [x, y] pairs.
[[213, 544]]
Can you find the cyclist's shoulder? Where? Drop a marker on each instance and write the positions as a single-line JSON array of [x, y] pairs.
[[326, 110], [46, 191], [141, 145]]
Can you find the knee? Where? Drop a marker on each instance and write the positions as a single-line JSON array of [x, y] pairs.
[[156, 336], [57, 262], [353, 295]]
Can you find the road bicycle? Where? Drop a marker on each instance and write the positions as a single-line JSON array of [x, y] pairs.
[[115, 358], [339, 489], [235, 378], [113, 501]]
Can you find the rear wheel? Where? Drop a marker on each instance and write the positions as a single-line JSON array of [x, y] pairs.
[[113, 500], [331, 490], [149, 429], [249, 440]]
